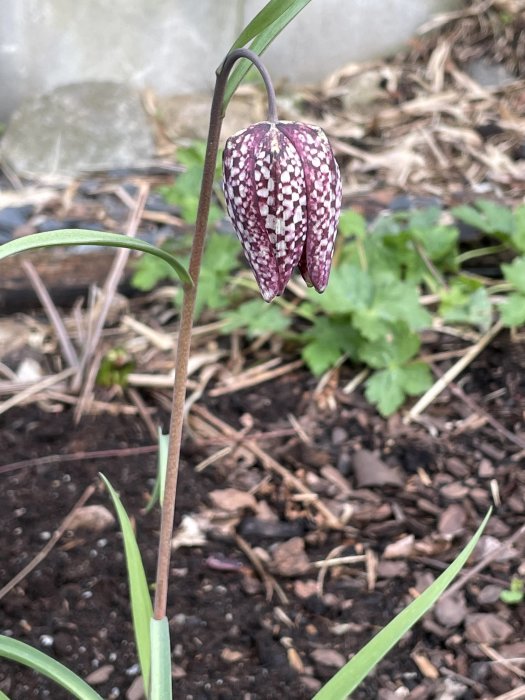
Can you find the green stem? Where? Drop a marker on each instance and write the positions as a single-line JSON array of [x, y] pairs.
[[186, 321], [480, 252]]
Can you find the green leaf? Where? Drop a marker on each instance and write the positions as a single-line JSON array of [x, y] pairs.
[[513, 595], [257, 318], [141, 607], [328, 339], [464, 303], [394, 347], [350, 289], [68, 237], [489, 217], [3, 696], [384, 390], [439, 242], [262, 20], [347, 679], [219, 262], [352, 224], [518, 239], [513, 310], [41, 663], [260, 44], [393, 301], [416, 378], [514, 273], [160, 660], [157, 495]]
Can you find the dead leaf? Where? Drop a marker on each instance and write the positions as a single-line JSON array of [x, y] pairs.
[[188, 534]]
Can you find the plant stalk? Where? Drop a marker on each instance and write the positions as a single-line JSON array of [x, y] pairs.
[[186, 321]]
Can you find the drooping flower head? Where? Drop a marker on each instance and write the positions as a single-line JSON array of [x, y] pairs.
[[283, 191]]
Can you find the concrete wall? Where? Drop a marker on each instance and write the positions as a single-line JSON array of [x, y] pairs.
[[173, 46]]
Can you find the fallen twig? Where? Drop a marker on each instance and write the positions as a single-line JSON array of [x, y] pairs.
[[271, 464], [449, 376], [68, 351]]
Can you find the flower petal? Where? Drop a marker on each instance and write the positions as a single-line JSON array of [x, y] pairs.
[[240, 154], [324, 194], [265, 191]]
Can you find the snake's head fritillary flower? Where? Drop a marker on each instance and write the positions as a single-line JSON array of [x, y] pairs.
[[283, 191]]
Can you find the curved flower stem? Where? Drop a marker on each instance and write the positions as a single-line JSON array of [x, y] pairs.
[[186, 321]]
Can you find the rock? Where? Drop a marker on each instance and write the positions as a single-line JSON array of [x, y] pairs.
[[231, 656], [101, 675], [79, 127], [487, 628], [94, 518], [232, 499], [489, 594], [369, 470], [136, 690], [289, 558], [451, 610], [188, 116], [328, 657], [488, 73]]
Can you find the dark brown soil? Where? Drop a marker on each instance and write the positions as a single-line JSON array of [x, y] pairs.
[[74, 605]]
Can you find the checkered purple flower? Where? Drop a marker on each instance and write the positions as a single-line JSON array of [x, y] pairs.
[[283, 191]]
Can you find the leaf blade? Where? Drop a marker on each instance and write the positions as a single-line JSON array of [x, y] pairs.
[[68, 237], [141, 607], [259, 45], [263, 19], [22, 653]]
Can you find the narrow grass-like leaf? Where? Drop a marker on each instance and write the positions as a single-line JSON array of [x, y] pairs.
[[3, 696], [350, 676], [157, 495], [141, 607], [260, 44], [24, 654], [73, 236], [160, 660], [269, 14]]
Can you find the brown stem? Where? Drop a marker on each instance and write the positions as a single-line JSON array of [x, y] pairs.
[[186, 321]]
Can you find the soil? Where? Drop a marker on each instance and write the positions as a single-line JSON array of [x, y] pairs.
[[228, 639]]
